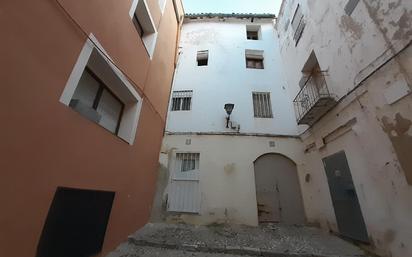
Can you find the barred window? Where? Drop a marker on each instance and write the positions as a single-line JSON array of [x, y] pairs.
[[187, 162], [262, 106], [182, 100]]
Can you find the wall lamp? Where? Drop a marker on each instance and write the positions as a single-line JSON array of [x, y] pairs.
[[229, 108]]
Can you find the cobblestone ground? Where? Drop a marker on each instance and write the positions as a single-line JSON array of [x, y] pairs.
[[158, 239]]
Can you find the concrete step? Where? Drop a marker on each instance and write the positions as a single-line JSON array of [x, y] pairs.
[[268, 240], [131, 250]]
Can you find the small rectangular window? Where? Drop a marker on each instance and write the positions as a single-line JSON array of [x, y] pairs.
[[182, 100], [262, 106], [253, 32], [187, 162], [298, 24], [96, 102], [202, 58], [350, 6], [144, 24], [254, 59]]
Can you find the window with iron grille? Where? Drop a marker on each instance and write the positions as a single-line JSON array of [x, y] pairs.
[[254, 59], [187, 162], [262, 106], [182, 100], [350, 6], [202, 58], [298, 24]]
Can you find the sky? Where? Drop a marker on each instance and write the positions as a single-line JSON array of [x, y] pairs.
[[232, 6]]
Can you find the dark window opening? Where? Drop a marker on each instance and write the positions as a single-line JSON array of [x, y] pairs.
[[350, 6], [202, 58], [252, 35], [254, 63], [138, 25], [202, 62], [76, 223]]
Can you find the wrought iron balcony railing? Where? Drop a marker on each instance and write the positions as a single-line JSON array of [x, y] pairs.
[[313, 100]]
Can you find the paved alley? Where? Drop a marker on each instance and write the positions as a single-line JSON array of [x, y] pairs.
[[169, 240]]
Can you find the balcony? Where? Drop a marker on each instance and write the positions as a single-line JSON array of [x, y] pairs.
[[313, 100]]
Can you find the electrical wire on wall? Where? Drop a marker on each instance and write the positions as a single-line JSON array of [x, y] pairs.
[[140, 91]]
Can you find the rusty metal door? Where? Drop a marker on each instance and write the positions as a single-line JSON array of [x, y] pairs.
[[278, 192], [345, 200]]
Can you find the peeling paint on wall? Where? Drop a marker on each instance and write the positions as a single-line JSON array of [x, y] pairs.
[[404, 25], [401, 141], [349, 25]]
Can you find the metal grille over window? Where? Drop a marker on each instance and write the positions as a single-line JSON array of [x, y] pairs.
[[187, 162], [202, 58], [261, 105], [182, 100], [298, 24]]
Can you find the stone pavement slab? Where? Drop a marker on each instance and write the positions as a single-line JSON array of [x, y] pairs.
[[266, 240]]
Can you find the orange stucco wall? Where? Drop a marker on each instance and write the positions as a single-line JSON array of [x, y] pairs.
[[45, 144]]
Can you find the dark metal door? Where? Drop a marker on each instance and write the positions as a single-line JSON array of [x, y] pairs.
[[345, 200]]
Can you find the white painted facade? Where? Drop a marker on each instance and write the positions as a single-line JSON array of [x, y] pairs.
[[226, 173], [367, 59], [227, 80]]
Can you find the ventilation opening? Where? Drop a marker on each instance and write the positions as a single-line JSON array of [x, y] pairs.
[[76, 223], [202, 58]]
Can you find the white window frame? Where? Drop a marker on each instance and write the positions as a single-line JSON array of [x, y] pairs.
[[149, 39], [119, 85], [255, 55], [254, 28]]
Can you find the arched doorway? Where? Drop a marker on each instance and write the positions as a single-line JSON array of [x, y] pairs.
[[278, 192]]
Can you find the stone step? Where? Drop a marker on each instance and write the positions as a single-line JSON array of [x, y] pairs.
[[267, 240]]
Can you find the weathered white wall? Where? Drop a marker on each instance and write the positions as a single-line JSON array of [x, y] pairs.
[[226, 79], [227, 180], [352, 49]]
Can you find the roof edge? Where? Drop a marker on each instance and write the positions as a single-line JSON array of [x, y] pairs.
[[231, 15]]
